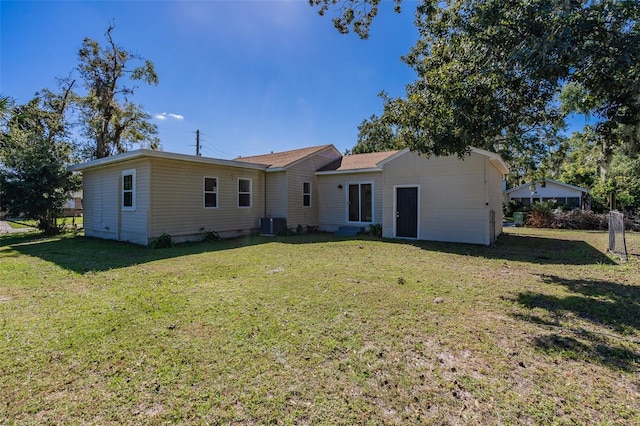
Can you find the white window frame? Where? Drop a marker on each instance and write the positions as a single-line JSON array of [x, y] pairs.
[[304, 194], [132, 173], [373, 202], [250, 193], [205, 192]]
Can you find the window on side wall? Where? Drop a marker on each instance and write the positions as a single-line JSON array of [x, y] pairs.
[[128, 190], [244, 192], [573, 202], [306, 194], [210, 192]]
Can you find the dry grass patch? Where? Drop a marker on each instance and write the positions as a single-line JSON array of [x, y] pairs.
[[542, 328]]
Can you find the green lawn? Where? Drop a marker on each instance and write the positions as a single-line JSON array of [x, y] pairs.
[[18, 224], [543, 328], [70, 222]]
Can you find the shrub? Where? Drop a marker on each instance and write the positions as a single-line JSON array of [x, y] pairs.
[[375, 230], [541, 215], [285, 232], [163, 241], [511, 207], [211, 236]]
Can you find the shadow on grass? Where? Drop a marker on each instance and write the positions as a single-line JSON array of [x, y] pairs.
[[610, 305], [84, 254], [606, 303], [591, 348], [520, 248]]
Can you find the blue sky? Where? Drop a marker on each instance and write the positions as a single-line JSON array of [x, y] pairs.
[[253, 76]]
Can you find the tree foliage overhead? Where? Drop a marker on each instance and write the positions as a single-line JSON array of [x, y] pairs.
[[108, 116], [352, 15], [504, 75], [5, 101], [35, 152], [375, 135]]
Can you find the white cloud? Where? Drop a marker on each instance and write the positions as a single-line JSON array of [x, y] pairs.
[[164, 116]]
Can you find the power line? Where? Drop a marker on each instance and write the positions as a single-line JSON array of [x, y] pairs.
[[212, 150]]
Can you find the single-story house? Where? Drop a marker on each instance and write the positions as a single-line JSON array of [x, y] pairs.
[[140, 195], [549, 190], [73, 206]]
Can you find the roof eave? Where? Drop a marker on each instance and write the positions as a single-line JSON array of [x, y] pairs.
[[524, 185], [500, 165], [350, 171], [494, 158], [147, 153]]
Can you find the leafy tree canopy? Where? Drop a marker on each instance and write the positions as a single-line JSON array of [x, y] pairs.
[[108, 116], [375, 135], [582, 168], [503, 76], [35, 152]]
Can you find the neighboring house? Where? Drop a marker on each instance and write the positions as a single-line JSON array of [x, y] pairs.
[[140, 195], [549, 190], [73, 206]]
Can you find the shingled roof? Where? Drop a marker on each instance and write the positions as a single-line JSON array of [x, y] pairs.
[[283, 159], [357, 161]]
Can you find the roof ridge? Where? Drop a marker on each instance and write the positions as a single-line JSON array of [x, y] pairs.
[[362, 161], [317, 148], [284, 159]]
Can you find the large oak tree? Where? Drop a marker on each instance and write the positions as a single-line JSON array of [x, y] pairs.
[[109, 118], [504, 75]]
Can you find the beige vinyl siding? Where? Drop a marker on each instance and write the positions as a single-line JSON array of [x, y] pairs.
[[297, 174], [452, 196], [103, 215], [177, 205], [453, 209], [276, 194], [332, 201], [134, 224], [494, 194], [100, 216]]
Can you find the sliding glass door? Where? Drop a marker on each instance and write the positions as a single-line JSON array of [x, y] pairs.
[[360, 202]]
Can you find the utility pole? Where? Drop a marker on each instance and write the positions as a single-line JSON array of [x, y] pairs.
[[197, 143]]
